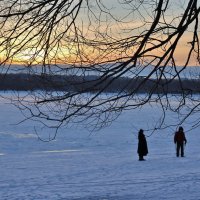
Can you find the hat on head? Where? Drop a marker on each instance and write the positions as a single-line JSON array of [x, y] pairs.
[[180, 128], [141, 131]]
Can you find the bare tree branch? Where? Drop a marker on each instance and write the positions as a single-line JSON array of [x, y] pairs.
[[82, 37]]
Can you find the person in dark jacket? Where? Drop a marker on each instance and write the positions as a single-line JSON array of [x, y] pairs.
[[142, 145], [180, 140]]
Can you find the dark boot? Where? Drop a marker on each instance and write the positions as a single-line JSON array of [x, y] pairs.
[[141, 158]]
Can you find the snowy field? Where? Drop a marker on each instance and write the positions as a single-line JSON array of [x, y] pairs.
[[104, 165]]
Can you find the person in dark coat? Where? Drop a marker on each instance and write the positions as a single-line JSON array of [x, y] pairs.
[[142, 145], [180, 140]]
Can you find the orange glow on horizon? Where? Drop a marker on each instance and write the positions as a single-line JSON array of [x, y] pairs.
[[71, 54]]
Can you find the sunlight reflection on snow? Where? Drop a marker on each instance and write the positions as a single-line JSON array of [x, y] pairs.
[[59, 151], [19, 135]]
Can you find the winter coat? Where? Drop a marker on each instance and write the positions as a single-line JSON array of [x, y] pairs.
[[142, 145], [179, 137]]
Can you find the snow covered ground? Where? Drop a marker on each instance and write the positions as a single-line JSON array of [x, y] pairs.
[[103, 165]]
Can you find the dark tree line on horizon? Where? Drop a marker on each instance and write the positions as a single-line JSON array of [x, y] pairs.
[[75, 83]]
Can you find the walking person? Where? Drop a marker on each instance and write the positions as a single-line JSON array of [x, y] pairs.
[[142, 145], [180, 141]]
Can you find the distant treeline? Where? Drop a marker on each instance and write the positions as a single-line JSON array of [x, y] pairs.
[[24, 82]]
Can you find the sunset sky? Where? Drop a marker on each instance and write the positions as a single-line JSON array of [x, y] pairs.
[[117, 21]]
